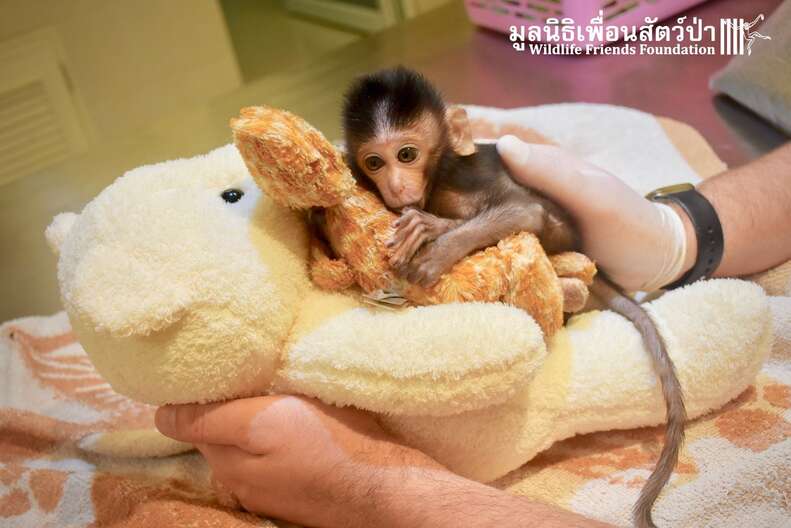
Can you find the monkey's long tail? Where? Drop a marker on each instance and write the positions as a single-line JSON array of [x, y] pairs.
[[618, 302]]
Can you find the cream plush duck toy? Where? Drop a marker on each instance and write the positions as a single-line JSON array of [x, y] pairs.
[[185, 283]]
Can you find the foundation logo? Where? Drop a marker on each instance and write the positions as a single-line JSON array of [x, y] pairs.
[[735, 32], [562, 36]]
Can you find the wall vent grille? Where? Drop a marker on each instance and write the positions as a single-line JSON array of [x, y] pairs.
[[29, 138], [39, 120]]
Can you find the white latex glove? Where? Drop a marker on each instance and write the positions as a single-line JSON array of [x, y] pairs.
[[640, 245]]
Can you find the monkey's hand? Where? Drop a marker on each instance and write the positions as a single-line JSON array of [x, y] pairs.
[[415, 228], [432, 261]]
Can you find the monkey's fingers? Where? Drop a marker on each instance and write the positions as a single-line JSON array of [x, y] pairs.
[[407, 248], [427, 267], [406, 215], [425, 275], [404, 229]]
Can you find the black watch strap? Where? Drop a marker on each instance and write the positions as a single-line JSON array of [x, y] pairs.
[[711, 243]]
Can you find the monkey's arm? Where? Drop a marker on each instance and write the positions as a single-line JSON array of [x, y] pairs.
[[413, 229], [481, 231]]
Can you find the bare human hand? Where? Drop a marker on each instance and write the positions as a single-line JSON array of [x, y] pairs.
[[293, 458], [300, 460]]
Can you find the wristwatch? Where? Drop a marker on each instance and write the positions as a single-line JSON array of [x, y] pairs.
[[708, 229]]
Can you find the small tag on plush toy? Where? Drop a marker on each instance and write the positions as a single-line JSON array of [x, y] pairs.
[[385, 299]]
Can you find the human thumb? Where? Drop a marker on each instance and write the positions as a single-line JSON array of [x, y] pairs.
[[199, 424], [513, 150]]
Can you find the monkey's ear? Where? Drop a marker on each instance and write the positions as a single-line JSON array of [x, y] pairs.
[[460, 131]]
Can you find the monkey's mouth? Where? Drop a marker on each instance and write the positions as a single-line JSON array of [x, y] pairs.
[[419, 204]]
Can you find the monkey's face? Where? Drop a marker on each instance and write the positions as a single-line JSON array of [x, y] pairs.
[[399, 161]]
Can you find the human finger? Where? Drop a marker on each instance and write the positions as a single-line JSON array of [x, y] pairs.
[[226, 423]]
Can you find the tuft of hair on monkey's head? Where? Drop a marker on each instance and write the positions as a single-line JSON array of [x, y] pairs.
[[390, 98]]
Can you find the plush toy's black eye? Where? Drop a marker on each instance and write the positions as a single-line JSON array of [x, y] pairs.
[[232, 195]]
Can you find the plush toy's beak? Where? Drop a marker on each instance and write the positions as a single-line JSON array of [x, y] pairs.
[[58, 230]]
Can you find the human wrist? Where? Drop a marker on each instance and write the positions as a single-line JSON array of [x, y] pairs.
[[691, 241], [418, 497], [392, 493], [662, 250], [431, 497]]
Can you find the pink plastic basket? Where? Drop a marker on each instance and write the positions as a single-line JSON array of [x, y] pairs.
[[500, 15]]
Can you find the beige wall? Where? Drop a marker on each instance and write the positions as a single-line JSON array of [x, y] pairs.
[[131, 61], [418, 7], [268, 38]]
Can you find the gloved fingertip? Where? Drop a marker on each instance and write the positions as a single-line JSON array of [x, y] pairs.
[[513, 149]]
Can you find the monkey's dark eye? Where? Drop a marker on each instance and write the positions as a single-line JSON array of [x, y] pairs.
[[232, 195], [374, 163], [407, 154]]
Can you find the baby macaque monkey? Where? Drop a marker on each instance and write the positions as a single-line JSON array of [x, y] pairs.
[[456, 197], [421, 157]]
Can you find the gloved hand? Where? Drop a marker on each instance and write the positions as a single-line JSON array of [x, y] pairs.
[[640, 245]]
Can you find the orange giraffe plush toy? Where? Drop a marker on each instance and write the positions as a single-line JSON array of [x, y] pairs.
[[298, 168]]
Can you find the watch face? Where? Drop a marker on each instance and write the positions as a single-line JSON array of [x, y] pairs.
[[670, 189]]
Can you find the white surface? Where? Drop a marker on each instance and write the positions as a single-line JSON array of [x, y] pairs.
[[629, 143]]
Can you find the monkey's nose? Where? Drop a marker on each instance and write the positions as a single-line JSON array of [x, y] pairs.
[[397, 185]]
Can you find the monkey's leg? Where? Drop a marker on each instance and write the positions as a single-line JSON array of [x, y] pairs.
[[558, 235], [484, 230], [575, 294]]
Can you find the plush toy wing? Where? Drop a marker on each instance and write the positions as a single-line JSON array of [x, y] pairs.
[[598, 376], [98, 279], [133, 443], [426, 360]]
